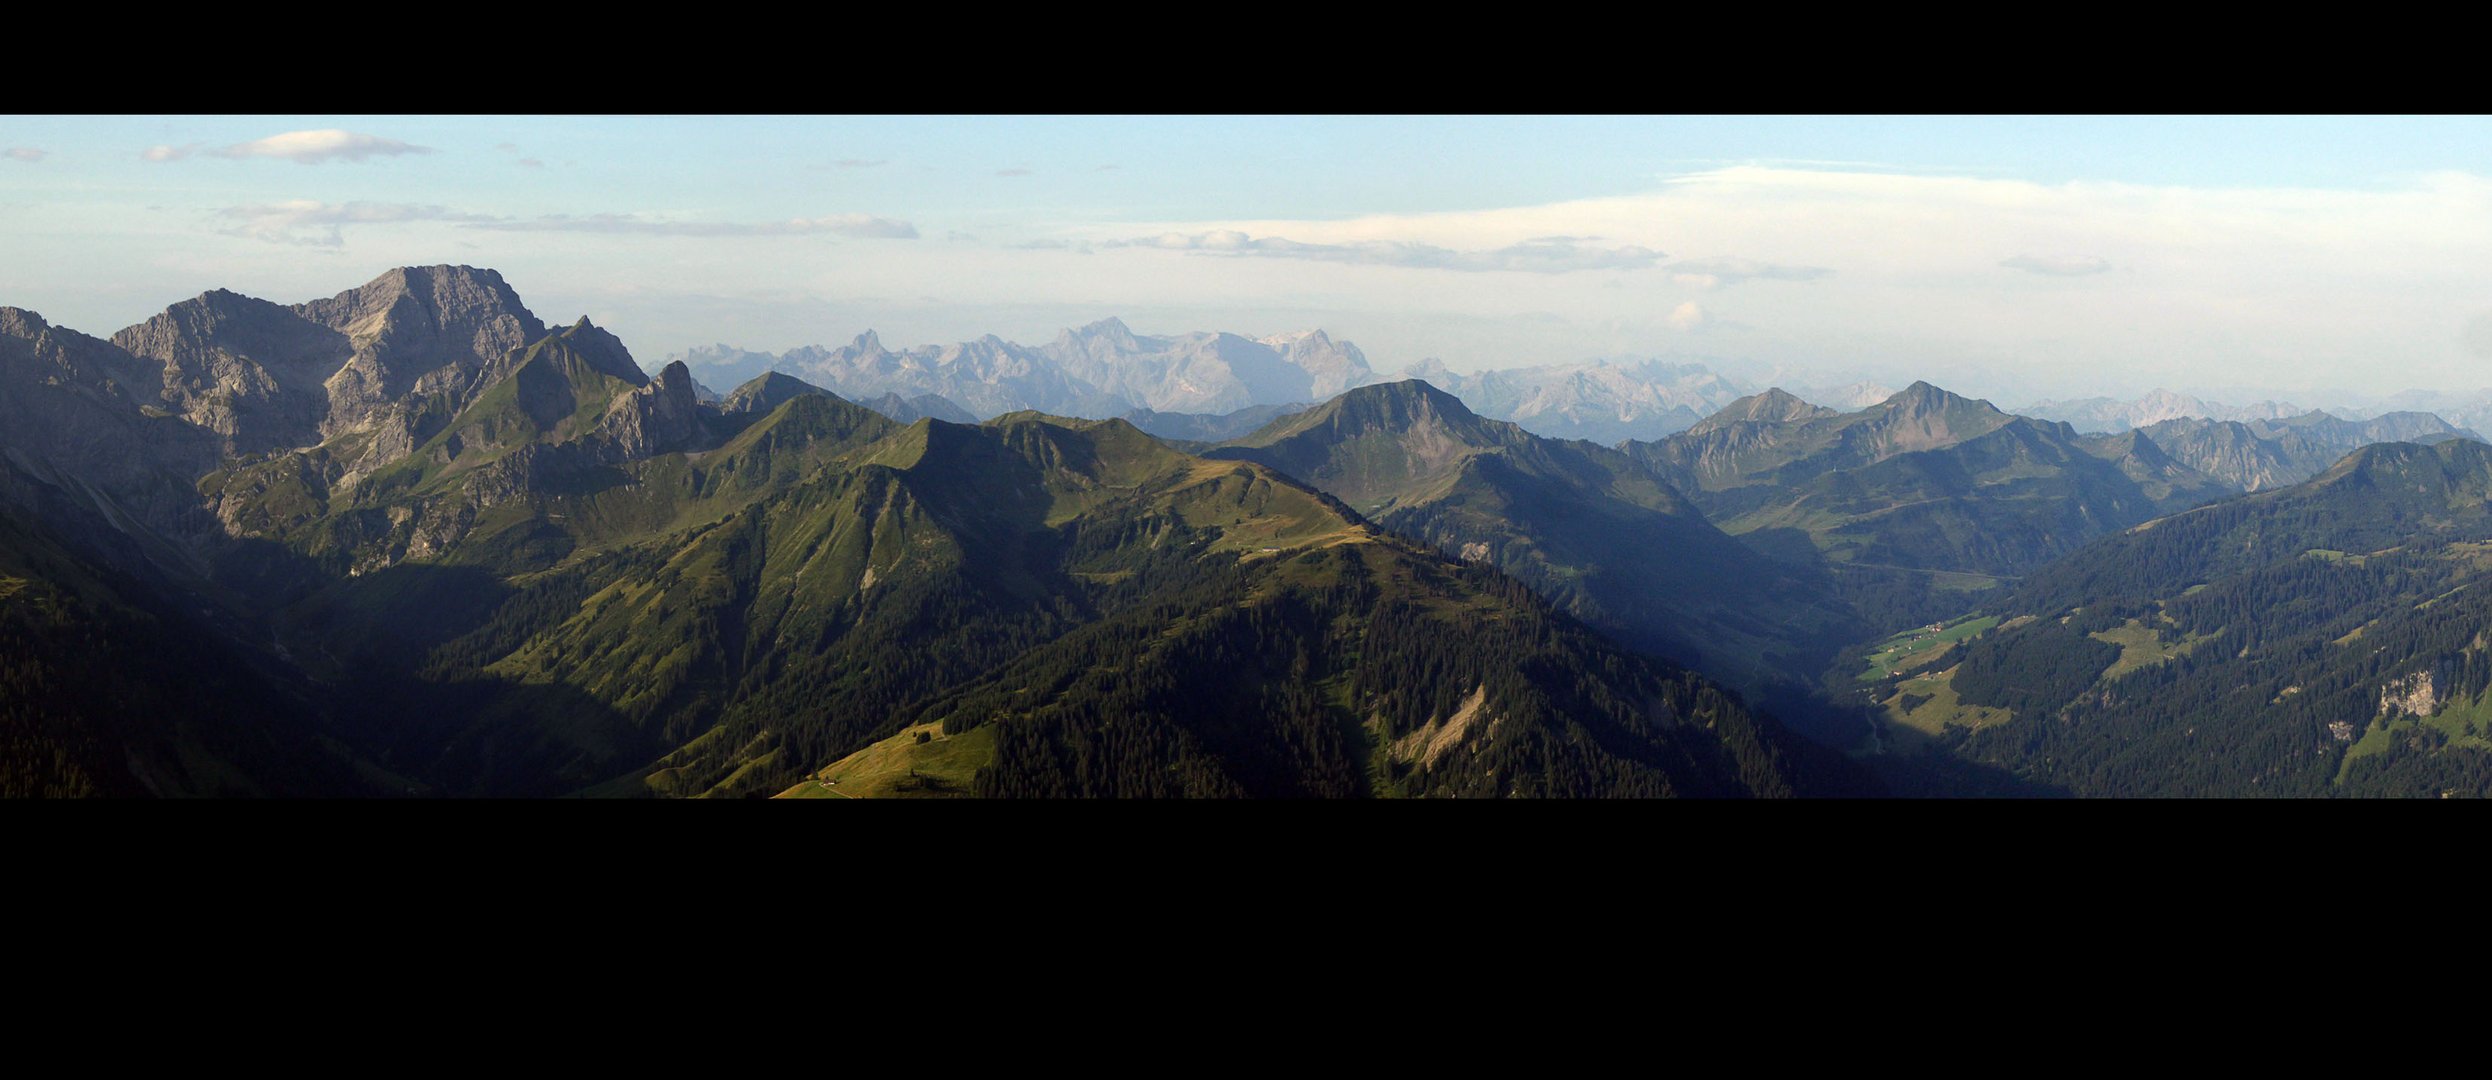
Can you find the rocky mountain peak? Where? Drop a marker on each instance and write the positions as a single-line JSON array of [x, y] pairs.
[[456, 302], [1395, 407], [19, 322], [606, 352], [765, 392], [1110, 331], [1775, 405], [675, 378], [1922, 416], [663, 416], [1920, 393]]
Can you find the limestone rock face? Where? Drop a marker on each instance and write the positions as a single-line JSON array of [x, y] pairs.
[[418, 330], [247, 369], [659, 418], [84, 415], [388, 360]]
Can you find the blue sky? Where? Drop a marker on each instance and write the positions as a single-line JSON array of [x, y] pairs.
[[2005, 256]]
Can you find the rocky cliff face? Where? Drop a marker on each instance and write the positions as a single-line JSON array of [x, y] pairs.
[[384, 360], [662, 417], [84, 415], [418, 330], [2233, 452], [247, 369], [2260, 455]]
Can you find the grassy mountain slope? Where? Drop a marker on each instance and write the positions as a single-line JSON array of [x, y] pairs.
[[1585, 525], [728, 621], [109, 687], [1917, 507], [2321, 639]]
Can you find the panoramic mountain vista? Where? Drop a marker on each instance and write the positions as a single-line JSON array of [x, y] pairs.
[[1060, 457], [577, 579], [399, 562]]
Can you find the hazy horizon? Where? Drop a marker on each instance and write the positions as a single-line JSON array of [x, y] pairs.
[[2316, 260]]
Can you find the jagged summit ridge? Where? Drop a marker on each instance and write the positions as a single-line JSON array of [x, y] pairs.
[[1099, 369], [1775, 405]]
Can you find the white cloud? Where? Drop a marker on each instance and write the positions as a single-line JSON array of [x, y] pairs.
[[861, 226], [2285, 286], [304, 147], [315, 147], [312, 223], [1686, 316], [1720, 272], [25, 153], [1544, 254], [531, 163], [2057, 265]]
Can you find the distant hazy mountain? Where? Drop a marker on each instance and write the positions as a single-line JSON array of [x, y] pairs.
[[1208, 427], [1921, 500], [1600, 401], [1103, 369], [726, 365], [1848, 397], [907, 410], [2466, 408], [2263, 454], [2102, 414], [1774, 439]]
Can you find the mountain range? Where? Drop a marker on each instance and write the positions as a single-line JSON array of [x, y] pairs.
[[1180, 386], [1102, 369], [2099, 415], [412, 540], [1601, 402], [433, 546]]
